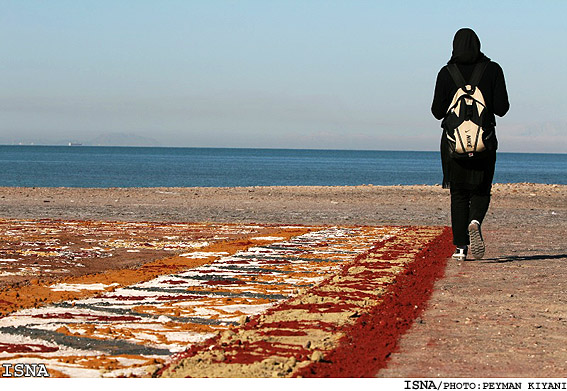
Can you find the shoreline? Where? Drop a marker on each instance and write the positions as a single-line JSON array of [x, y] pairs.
[[269, 186]]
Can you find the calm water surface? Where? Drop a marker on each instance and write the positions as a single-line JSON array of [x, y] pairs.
[[81, 166]]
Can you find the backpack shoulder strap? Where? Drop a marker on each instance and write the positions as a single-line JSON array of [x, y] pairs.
[[456, 75], [477, 73]]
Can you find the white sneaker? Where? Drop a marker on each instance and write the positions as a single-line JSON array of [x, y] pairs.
[[460, 254], [477, 243]]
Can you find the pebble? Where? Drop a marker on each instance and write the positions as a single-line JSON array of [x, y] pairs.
[[316, 356]]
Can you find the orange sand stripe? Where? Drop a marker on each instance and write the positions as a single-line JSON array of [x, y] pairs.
[[314, 260], [38, 293]]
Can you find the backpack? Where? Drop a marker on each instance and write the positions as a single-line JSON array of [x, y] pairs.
[[463, 124]]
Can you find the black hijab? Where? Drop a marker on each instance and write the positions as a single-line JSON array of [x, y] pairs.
[[466, 48]]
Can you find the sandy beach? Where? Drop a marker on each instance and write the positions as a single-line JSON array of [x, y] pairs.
[[503, 316]]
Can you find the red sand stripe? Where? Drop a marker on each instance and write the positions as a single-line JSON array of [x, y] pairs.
[[369, 343]]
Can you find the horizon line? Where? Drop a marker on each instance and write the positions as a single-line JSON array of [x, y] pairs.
[[78, 145]]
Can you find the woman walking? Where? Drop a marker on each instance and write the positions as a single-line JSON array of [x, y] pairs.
[[470, 179]]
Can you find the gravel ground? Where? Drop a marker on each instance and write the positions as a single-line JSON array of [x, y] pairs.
[[503, 316]]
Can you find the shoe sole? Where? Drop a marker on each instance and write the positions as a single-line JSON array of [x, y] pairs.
[[477, 244]]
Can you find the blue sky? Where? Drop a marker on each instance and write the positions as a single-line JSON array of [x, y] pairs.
[[275, 74]]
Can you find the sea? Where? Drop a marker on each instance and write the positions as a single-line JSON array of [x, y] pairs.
[[106, 167]]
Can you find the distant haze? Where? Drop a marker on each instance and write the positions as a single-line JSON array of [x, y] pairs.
[[123, 139], [274, 74]]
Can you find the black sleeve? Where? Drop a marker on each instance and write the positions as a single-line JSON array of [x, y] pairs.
[[441, 97], [501, 103]]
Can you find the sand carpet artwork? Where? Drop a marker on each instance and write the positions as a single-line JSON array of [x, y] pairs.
[[143, 299]]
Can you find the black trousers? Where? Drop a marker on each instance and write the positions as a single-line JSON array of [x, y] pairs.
[[467, 204]]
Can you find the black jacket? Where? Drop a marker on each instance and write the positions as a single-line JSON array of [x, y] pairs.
[[474, 173], [479, 173], [492, 86]]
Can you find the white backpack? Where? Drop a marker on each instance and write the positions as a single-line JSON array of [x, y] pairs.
[[463, 123]]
